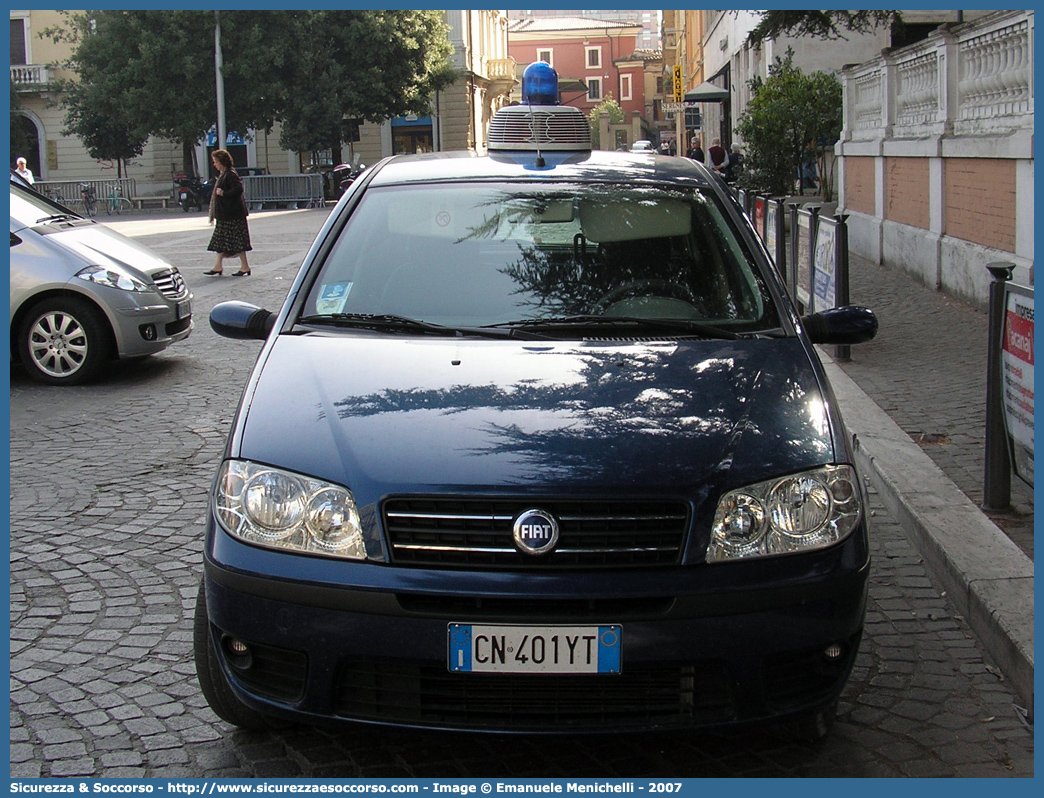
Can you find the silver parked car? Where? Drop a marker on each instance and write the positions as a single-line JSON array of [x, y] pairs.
[[82, 293]]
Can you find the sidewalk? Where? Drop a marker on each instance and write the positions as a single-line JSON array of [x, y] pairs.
[[914, 402]]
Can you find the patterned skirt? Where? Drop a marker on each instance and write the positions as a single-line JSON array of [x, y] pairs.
[[230, 237]]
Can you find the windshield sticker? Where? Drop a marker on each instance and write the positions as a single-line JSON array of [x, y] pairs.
[[332, 298]]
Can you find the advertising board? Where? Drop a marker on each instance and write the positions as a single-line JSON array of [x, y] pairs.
[[1017, 369]]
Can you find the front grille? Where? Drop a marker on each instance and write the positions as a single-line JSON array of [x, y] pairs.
[[642, 696], [171, 284], [476, 533], [178, 326]]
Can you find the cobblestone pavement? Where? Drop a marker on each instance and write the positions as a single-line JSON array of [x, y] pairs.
[[108, 486], [927, 370]]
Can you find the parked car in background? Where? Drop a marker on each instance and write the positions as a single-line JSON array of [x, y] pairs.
[[82, 294], [538, 442]]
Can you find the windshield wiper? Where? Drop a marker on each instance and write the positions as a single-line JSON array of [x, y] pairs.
[[685, 325], [58, 217], [389, 321]]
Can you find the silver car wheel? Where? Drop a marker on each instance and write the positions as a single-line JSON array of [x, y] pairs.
[[58, 344], [64, 340]]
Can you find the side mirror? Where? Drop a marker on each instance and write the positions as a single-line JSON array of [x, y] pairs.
[[841, 326], [241, 320]]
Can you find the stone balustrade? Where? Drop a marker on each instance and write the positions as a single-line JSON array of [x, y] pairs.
[[970, 79], [936, 155], [30, 76]]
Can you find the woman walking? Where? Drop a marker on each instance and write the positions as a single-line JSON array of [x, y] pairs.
[[228, 208]]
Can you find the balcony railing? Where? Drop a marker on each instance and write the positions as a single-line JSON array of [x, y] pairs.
[[30, 76], [971, 79], [501, 68]]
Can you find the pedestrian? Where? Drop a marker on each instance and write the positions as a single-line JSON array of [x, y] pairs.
[[735, 164], [717, 158], [807, 173], [23, 170], [228, 212], [696, 150]]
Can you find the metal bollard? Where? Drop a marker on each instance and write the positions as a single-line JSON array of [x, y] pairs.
[[996, 493], [844, 351]]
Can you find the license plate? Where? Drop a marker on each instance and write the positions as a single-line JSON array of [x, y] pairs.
[[475, 648], [184, 309]]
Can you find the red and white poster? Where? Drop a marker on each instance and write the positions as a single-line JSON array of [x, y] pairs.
[[1017, 367]]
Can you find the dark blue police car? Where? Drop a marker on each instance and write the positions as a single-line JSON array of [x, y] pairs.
[[537, 442]]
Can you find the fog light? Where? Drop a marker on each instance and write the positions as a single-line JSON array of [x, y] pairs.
[[834, 651], [148, 332], [237, 647]]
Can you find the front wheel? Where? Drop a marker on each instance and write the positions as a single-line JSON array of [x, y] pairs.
[[212, 682], [90, 206], [63, 341]]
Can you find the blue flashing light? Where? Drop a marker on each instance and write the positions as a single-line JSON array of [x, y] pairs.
[[540, 84]]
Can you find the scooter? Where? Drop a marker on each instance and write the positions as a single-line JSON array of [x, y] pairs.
[[345, 174], [191, 192]]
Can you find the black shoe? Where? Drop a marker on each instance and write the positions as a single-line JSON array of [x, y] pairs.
[[213, 273], [240, 274]]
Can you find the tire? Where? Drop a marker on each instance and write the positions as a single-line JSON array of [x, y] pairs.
[[90, 206], [216, 690], [64, 341]]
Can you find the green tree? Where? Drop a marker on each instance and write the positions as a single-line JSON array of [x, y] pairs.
[[351, 65], [607, 106], [786, 113], [94, 115], [819, 24], [154, 71]]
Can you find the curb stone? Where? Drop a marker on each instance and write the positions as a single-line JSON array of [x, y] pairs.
[[988, 578]]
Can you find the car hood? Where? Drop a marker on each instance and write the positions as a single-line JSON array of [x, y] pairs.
[[383, 414], [97, 245]]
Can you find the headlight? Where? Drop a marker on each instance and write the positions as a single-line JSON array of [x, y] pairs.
[[801, 512], [283, 510], [112, 277]]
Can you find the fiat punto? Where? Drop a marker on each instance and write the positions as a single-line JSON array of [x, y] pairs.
[[537, 442]]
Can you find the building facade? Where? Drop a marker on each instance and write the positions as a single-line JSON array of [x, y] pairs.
[[936, 155], [596, 59], [458, 118], [647, 39]]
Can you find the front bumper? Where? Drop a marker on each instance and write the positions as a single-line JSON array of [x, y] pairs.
[[151, 326], [371, 653]]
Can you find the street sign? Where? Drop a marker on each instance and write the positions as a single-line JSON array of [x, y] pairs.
[[673, 108], [677, 84]]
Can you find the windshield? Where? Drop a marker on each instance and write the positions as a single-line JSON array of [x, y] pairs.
[[495, 254], [29, 208]]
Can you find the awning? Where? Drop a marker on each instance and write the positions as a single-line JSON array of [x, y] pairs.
[[707, 93]]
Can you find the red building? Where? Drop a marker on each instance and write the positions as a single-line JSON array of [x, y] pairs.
[[593, 59]]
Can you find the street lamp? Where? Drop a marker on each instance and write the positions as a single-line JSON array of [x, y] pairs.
[[220, 79]]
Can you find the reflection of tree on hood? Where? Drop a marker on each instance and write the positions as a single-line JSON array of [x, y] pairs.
[[642, 407]]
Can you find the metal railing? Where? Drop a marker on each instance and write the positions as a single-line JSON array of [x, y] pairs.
[[293, 190], [67, 192]]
